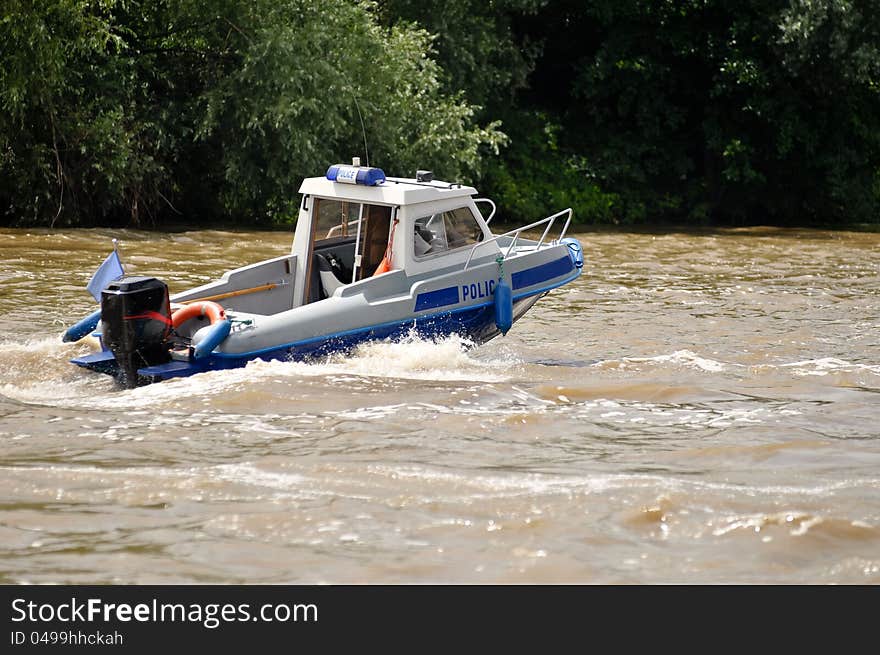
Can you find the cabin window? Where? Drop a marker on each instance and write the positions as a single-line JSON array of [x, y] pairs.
[[335, 218], [445, 231]]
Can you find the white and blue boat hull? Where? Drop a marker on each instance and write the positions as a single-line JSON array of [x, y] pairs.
[[459, 302]]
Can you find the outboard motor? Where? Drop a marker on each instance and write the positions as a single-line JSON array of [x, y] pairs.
[[136, 313]]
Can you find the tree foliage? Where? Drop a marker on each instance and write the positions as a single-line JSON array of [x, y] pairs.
[[313, 84], [481, 53], [141, 111], [147, 111], [705, 110]]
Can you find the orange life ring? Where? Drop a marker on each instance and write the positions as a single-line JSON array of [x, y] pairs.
[[212, 310]]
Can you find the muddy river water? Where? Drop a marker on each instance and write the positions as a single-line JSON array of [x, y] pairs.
[[695, 408]]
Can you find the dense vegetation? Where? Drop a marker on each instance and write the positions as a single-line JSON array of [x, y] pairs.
[[151, 112]]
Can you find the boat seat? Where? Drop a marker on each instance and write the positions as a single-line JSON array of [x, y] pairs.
[[422, 238], [328, 270]]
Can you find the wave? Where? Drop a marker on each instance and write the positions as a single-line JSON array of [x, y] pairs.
[[39, 372], [799, 524], [828, 365], [678, 358]]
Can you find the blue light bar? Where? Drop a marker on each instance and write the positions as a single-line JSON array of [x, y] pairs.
[[367, 176]]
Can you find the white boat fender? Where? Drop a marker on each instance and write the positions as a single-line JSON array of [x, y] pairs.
[[503, 301], [216, 332]]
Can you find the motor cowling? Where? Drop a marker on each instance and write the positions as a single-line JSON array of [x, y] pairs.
[[136, 317]]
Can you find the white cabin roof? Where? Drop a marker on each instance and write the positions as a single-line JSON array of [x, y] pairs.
[[393, 191]]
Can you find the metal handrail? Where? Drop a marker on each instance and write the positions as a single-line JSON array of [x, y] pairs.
[[516, 232], [476, 200]]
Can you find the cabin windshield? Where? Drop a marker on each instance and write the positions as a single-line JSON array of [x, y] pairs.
[[444, 231], [348, 241]]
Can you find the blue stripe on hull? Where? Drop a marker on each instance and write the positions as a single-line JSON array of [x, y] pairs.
[[542, 273], [527, 278], [439, 298]]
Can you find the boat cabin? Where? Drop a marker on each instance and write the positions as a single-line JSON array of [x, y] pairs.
[[355, 224]]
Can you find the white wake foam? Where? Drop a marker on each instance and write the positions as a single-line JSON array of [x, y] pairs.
[[679, 358], [39, 372]]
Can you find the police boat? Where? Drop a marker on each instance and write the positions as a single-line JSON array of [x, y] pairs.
[[373, 258]]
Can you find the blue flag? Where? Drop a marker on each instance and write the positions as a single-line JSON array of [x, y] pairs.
[[110, 270]]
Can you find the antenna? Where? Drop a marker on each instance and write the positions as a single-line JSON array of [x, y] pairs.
[[358, 107], [363, 129]]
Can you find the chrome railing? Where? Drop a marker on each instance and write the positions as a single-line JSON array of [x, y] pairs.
[[492, 204], [515, 234]]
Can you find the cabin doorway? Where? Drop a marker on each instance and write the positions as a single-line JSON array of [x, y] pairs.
[[348, 241], [374, 239]]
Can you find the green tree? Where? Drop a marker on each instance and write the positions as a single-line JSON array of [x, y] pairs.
[[307, 79], [489, 52], [139, 112], [66, 141], [478, 45], [706, 110]]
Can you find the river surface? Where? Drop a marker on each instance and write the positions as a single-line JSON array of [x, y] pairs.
[[695, 408]]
